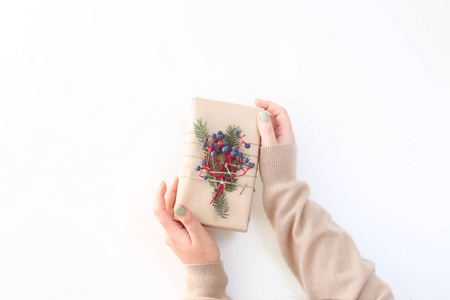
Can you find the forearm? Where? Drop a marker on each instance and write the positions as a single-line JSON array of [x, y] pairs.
[[206, 281], [321, 255]]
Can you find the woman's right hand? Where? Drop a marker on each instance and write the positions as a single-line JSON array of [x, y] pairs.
[[279, 129]]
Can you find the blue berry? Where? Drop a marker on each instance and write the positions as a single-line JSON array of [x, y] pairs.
[[240, 154], [245, 160], [213, 136], [225, 143], [197, 168], [226, 149], [213, 153], [204, 144], [204, 162], [235, 148], [233, 153], [239, 166], [251, 165], [216, 139], [218, 151], [247, 146], [205, 177], [222, 136], [236, 132], [219, 132]]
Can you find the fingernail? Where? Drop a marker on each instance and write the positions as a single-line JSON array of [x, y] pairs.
[[161, 183], [180, 210], [264, 116]]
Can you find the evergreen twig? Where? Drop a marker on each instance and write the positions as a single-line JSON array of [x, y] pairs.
[[232, 139], [201, 130], [221, 204]]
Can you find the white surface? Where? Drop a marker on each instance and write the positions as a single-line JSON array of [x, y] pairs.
[[94, 98]]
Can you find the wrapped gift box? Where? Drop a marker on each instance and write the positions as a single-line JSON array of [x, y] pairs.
[[223, 198]]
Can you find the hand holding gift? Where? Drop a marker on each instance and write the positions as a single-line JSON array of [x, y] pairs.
[[279, 129], [190, 241]]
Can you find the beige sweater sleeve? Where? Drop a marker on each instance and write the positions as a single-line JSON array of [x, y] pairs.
[[321, 255], [206, 281]]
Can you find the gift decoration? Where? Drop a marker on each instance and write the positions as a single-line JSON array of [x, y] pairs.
[[223, 163], [219, 162]]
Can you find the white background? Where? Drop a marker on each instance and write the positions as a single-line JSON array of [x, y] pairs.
[[94, 99]]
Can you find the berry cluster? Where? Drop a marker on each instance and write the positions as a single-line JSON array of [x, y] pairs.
[[223, 161]]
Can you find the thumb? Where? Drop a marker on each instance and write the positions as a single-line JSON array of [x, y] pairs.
[[266, 129], [190, 222]]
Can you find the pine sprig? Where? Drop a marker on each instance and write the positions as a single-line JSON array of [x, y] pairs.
[[201, 130], [221, 204], [232, 139], [211, 178]]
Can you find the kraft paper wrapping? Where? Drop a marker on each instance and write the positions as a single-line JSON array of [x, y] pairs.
[[196, 193]]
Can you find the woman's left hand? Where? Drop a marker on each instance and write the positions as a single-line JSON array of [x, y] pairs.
[[190, 241]]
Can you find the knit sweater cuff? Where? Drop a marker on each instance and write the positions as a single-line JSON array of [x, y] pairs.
[[206, 279], [278, 163]]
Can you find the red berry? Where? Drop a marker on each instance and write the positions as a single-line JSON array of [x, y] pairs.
[[205, 139]]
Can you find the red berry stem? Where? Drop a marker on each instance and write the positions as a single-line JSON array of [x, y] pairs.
[[217, 193]]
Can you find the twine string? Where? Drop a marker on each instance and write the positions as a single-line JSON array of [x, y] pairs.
[[220, 172], [246, 185]]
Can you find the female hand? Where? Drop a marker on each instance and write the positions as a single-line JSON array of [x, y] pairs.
[[279, 129], [190, 241]]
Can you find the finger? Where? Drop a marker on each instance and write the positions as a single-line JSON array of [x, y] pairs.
[[160, 201], [171, 195], [164, 216], [190, 222], [278, 112], [266, 129], [274, 123]]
